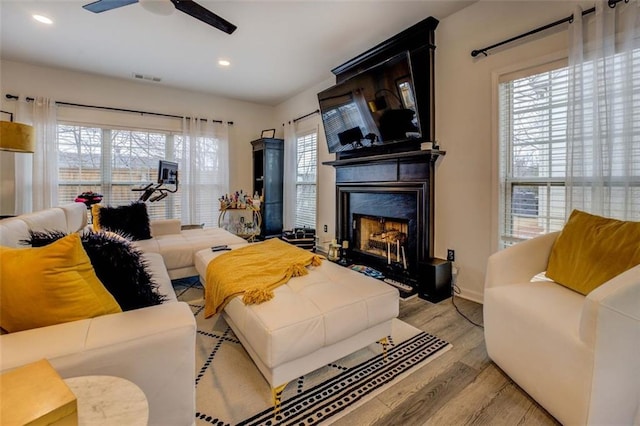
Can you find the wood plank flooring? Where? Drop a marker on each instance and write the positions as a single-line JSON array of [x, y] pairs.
[[461, 387]]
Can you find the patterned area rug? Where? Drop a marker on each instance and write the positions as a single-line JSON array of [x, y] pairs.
[[230, 389]]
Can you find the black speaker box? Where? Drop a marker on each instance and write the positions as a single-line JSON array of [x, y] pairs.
[[435, 282]]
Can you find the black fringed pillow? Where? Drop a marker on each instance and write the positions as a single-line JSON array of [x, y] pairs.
[[131, 220], [118, 265]]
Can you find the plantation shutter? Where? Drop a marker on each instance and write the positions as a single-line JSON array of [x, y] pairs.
[[306, 175]]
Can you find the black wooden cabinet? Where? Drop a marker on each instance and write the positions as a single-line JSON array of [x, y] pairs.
[[268, 170]]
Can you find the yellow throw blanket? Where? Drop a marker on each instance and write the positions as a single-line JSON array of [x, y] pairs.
[[255, 271]]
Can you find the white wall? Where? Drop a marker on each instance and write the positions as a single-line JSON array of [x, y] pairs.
[[69, 86], [466, 178]]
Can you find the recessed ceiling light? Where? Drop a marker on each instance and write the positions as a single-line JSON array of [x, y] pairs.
[[224, 63], [43, 19]]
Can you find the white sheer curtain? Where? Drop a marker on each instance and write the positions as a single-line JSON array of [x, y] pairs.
[[290, 170], [37, 174], [203, 156], [603, 152]]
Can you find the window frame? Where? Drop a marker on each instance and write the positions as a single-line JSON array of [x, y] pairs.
[[526, 68]]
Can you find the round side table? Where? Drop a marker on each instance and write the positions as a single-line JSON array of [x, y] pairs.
[[108, 401]]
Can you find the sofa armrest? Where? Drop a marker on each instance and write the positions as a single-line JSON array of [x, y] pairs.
[[519, 263], [152, 347], [165, 227], [610, 325]]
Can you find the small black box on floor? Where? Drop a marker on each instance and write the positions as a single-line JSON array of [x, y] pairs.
[[305, 238], [435, 282]]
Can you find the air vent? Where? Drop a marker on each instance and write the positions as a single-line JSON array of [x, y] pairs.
[[146, 77]]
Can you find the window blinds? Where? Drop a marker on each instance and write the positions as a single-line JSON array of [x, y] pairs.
[[532, 123], [306, 175]]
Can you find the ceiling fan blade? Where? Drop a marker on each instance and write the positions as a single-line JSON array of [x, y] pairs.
[[194, 9], [104, 5]]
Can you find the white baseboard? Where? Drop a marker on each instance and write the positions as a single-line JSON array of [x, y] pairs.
[[474, 296]]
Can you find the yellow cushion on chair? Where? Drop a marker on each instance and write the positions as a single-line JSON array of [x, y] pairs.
[[591, 250], [50, 285]]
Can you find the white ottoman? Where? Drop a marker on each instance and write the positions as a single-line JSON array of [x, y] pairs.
[[312, 320]]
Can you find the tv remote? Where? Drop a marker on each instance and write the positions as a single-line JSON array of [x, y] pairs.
[[220, 248]]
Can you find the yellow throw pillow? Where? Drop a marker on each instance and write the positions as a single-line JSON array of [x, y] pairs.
[[591, 250], [50, 285]]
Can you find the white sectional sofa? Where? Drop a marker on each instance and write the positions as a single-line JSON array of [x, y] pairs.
[[153, 347], [178, 247]]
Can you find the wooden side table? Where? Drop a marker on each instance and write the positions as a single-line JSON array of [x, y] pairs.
[[108, 401]]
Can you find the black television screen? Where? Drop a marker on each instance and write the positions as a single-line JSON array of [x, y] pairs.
[[374, 107], [167, 172]]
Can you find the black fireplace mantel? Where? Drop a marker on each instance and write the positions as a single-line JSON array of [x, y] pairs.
[[432, 154]]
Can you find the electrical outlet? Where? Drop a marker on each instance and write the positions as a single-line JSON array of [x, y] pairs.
[[451, 255], [326, 229]]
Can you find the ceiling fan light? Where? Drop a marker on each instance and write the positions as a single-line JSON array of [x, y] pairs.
[[159, 7]]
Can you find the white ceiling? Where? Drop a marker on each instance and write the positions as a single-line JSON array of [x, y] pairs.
[[279, 49]]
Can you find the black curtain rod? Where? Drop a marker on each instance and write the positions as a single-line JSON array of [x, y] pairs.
[[302, 117], [474, 53], [157, 114]]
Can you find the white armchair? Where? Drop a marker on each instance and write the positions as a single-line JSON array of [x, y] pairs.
[[579, 357]]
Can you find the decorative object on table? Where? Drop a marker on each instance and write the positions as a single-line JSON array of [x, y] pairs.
[[89, 198], [239, 200], [333, 254], [343, 253], [16, 137], [269, 133], [35, 394], [305, 238]]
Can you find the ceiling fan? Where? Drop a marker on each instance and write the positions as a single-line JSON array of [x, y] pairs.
[[187, 6]]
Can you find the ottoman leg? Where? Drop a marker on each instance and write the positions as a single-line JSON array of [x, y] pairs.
[[384, 342], [276, 395]]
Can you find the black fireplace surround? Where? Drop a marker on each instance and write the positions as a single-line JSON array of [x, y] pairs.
[[395, 182]]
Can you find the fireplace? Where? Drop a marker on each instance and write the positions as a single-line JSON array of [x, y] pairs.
[[384, 210], [384, 223], [383, 237]]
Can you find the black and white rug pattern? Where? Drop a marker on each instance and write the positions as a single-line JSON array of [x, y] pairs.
[[230, 389]]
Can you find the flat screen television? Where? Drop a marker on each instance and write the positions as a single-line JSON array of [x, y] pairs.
[[374, 107], [167, 172]]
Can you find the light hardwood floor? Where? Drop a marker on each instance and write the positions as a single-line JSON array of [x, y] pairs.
[[461, 387]]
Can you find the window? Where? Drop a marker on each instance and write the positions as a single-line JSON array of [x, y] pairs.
[[306, 172], [533, 125], [533, 122], [114, 161]]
